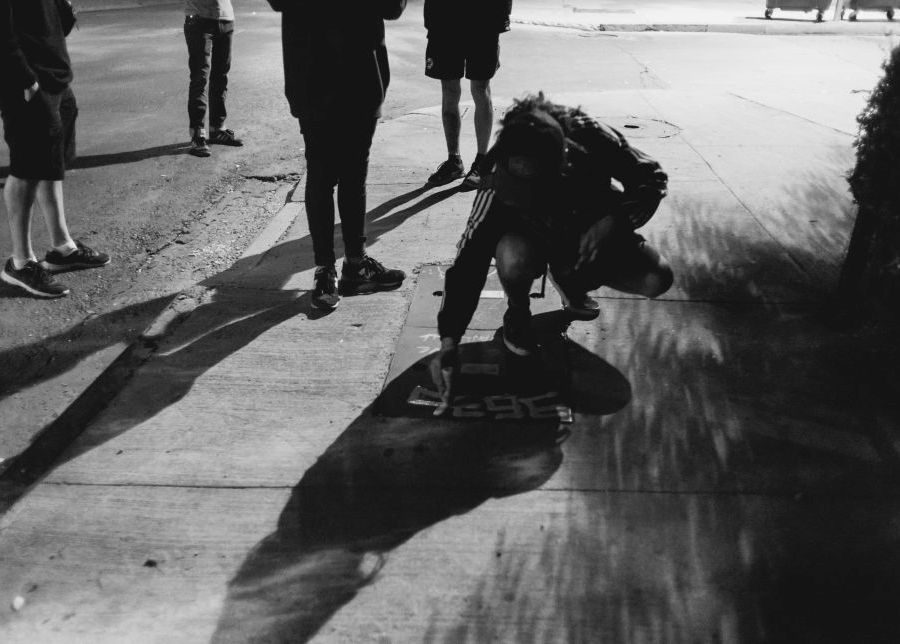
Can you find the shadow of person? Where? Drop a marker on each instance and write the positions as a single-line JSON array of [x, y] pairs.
[[384, 479], [238, 304], [115, 158], [381, 482], [43, 359]]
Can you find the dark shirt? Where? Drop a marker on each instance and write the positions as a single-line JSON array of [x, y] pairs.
[[597, 155], [488, 16], [33, 46], [335, 59]]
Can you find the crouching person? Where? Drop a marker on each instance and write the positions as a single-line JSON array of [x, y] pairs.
[[553, 201]]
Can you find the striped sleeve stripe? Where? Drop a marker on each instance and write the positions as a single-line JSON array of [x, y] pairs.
[[480, 208]]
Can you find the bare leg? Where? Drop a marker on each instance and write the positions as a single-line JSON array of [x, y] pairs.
[[519, 262], [50, 199], [18, 195], [450, 93], [484, 113]]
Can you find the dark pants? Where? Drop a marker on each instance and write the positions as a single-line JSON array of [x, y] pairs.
[[337, 154], [40, 133], [209, 58]]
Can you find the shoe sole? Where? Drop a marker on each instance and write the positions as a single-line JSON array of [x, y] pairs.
[[579, 314], [198, 153], [443, 182], [582, 314], [471, 183], [324, 306], [65, 268], [12, 281], [366, 289], [516, 350]]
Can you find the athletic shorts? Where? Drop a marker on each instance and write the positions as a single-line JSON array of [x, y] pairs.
[[450, 56], [40, 133]]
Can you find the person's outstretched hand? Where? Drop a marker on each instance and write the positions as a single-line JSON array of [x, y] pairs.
[[444, 368]]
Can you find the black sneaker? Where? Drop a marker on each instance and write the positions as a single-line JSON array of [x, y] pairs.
[[324, 294], [368, 276], [448, 171], [517, 334], [33, 278], [81, 257], [578, 305], [581, 308], [199, 146], [472, 180], [224, 137]]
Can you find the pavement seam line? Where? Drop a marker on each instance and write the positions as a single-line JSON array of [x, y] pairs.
[[798, 116], [599, 490], [750, 212]]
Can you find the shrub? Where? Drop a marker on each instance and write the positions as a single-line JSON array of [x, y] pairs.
[[871, 271]]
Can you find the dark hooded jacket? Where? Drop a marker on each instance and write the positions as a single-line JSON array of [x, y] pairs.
[[335, 59], [489, 16], [33, 44]]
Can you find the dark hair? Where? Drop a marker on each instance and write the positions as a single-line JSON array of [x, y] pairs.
[[563, 114]]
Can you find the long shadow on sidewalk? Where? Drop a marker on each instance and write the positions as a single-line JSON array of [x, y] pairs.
[[115, 158], [748, 493], [381, 482], [219, 328]]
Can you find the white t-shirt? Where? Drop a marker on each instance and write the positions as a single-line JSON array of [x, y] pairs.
[[215, 9]]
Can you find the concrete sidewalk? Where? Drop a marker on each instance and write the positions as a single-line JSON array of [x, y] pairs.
[[240, 489], [720, 16]]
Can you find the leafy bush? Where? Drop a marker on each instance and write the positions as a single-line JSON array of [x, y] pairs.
[[872, 268]]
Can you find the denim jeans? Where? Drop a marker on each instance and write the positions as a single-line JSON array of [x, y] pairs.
[[337, 154], [209, 59]]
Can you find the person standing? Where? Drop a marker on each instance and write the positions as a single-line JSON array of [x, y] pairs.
[[464, 39], [38, 111], [336, 74], [208, 27]]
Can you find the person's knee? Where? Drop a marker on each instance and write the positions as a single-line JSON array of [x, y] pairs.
[[481, 91], [517, 261], [450, 93], [659, 281]]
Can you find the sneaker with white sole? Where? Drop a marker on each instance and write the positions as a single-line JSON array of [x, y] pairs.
[[325, 292], [368, 276], [80, 258], [517, 334], [199, 147], [450, 170], [224, 137], [473, 178], [33, 278]]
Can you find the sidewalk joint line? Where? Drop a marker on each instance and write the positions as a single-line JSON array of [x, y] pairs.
[[748, 210], [789, 113], [169, 485]]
